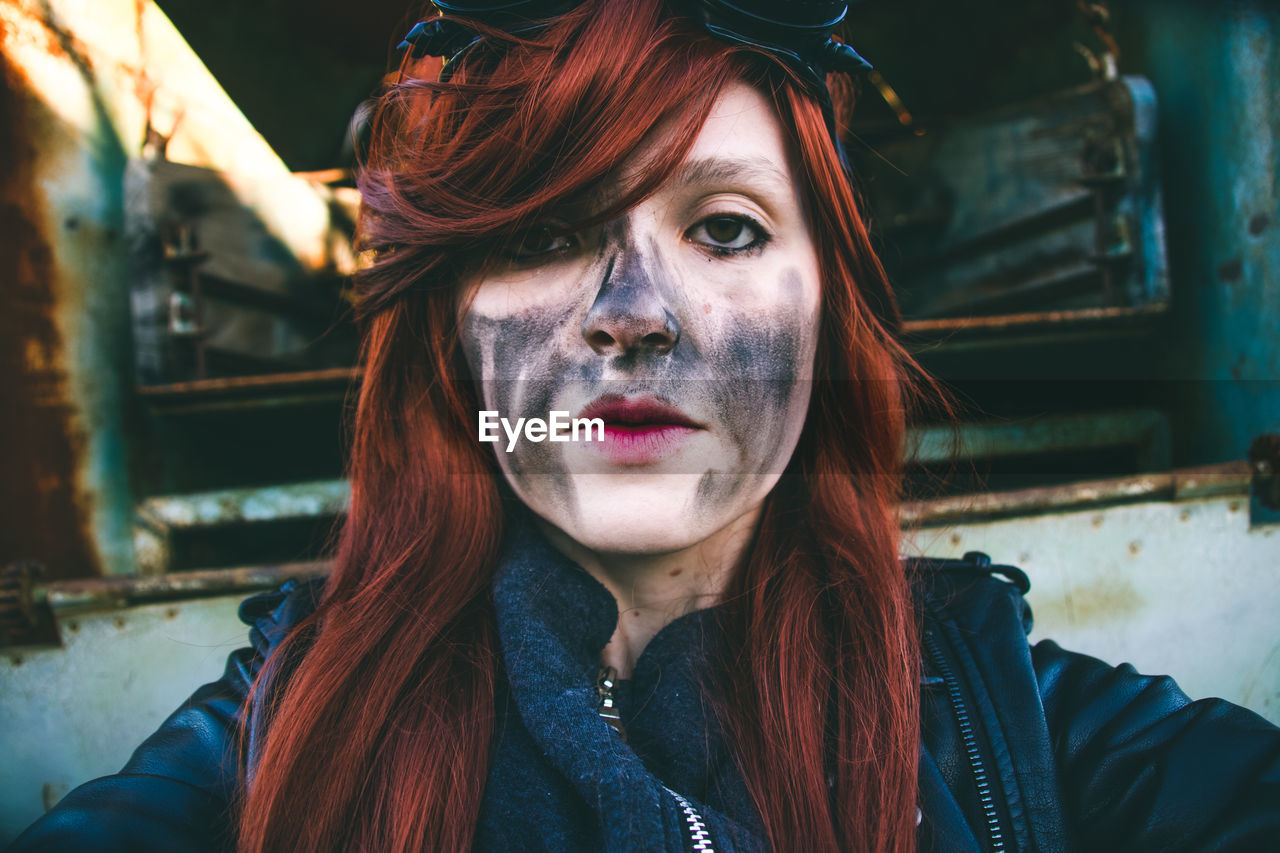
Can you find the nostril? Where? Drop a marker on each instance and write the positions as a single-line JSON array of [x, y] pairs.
[[656, 340], [600, 340]]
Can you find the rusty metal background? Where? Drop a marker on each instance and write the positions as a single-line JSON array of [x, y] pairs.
[[1220, 122], [162, 520], [1045, 205], [63, 493], [84, 86]]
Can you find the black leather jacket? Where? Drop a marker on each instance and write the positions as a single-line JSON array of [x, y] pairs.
[[1022, 748]]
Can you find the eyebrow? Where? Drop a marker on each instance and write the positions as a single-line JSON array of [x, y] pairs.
[[702, 172], [717, 170]]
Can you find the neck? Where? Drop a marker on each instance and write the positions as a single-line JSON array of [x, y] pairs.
[[653, 590]]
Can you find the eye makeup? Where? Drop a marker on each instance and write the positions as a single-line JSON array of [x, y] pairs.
[[729, 234]]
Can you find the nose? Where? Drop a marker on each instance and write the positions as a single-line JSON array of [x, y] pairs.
[[630, 314]]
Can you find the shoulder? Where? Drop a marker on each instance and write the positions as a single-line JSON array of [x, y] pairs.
[[272, 616], [971, 590], [199, 743], [1128, 754]]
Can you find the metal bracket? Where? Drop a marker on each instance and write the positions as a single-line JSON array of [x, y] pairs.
[[1264, 465], [19, 617]]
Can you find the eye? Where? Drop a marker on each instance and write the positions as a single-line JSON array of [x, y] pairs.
[[728, 235], [538, 243]]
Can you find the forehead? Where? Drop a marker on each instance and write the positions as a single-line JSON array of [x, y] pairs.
[[742, 128], [742, 142]]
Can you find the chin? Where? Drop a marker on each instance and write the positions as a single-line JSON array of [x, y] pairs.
[[650, 513]]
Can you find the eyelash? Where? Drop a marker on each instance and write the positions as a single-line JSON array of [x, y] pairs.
[[758, 242], [511, 249]]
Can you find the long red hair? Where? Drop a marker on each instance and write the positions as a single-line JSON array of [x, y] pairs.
[[380, 739]]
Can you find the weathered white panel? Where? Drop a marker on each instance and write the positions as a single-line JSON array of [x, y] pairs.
[[1184, 588], [72, 714]]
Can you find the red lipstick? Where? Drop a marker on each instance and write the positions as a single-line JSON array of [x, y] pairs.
[[639, 430]]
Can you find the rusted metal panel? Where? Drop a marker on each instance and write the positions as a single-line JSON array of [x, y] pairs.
[[22, 620], [87, 84], [255, 392], [1264, 461], [948, 335], [160, 519], [1220, 124], [1230, 480], [69, 597], [121, 64], [1050, 204], [56, 483], [214, 292], [1145, 430]]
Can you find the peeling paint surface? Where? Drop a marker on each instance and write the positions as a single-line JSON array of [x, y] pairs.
[[48, 511], [1220, 126], [299, 500], [84, 84]]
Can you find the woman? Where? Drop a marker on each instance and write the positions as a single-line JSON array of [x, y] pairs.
[[696, 632]]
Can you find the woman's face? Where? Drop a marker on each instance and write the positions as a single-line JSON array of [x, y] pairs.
[[688, 326]]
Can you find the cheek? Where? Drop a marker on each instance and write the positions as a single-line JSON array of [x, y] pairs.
[[764, 363], [516, 345], [521, 360], [505, 352]]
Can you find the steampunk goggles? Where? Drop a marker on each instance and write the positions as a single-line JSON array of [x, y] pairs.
[[796, 32]]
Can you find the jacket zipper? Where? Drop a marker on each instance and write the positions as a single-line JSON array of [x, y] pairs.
[[606, 682], [699, 838], [994, 833]]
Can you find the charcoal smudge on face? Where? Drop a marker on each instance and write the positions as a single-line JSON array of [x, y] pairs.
[[631, 319], [716, 487], [759, 362], [748, 374], [523, 364], [519, 365]]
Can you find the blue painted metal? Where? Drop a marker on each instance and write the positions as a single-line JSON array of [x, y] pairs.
[[1142, 207], [1216, 67]]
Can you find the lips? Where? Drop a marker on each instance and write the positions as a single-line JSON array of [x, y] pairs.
[[639, 430]]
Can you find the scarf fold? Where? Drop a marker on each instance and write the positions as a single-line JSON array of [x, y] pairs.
[[561, 777]]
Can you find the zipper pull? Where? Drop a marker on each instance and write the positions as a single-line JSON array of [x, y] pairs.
[[606, 682]]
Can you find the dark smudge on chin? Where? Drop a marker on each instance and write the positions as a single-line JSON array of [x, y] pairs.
[[716, 487]]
